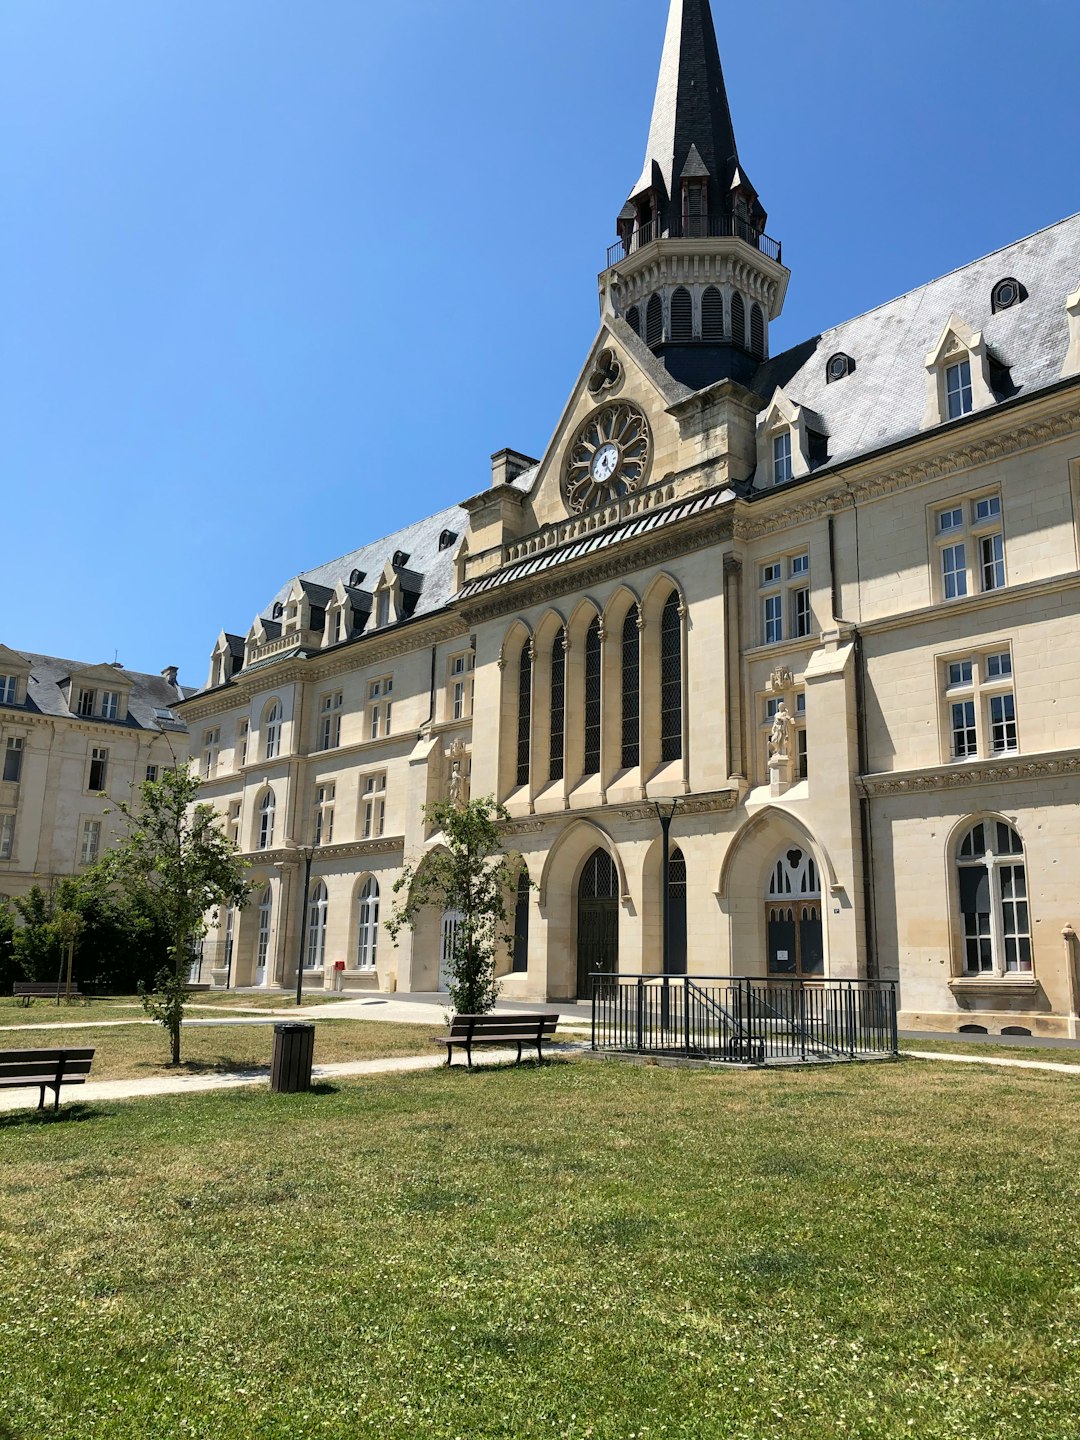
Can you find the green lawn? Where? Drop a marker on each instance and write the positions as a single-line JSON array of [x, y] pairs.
[[137, 1051], [1056, 1054], [47, 1012], [267, 1000], [582, 1250]]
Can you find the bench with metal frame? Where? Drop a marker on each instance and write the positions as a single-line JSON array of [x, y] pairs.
[[44, 1070], [27, 990], [519, 1030]]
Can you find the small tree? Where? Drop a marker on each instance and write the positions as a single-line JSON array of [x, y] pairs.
[[177, 866], [474, 877]]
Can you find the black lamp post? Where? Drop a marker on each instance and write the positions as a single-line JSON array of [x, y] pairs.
[[308, 852], [665, 813]]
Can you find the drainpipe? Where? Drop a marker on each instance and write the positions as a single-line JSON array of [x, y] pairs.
[[1072, 971]]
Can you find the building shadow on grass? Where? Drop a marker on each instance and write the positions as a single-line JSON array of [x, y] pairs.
[[493, 1067], [222, 1065], [70, 1114]]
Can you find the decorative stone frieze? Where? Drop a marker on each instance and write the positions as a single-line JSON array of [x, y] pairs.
[[997, 772]]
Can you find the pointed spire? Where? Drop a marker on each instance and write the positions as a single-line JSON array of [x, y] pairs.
[[691, 135]]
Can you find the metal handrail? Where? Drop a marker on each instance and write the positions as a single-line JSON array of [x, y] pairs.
[[722, 227]]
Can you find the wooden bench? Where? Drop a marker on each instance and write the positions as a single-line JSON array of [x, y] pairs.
[[27, 990], [518, 1030], [44, 1070]]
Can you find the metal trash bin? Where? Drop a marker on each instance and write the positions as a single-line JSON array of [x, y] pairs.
[[294, 1050]]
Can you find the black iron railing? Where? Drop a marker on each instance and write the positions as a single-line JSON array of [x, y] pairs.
[[744, 1021], [721, 227]]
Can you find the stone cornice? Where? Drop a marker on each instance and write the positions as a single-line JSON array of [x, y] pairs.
[[290, 856], [881, 478], [653, 547], [716, 801], [987, 600], [115, 730], [964, 777]]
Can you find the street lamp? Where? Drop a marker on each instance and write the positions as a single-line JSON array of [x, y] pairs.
[[308, 852], [665, 813]]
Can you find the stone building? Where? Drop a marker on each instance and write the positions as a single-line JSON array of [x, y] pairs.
[[74, 739], [825, 598]]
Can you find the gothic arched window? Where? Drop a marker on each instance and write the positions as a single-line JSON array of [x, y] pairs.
[[316, 939], [592, 699], [738, 320], [676, 914], [367, 933], [712, 315], [524, 714], [682, 315], [266, 821], [654, 322], [521, 923], [757, 332], [631, 689], [994, 910], [671, 687], [557, 748]]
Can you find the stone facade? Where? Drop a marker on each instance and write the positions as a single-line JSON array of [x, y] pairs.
[[825, 599], [75, 739]]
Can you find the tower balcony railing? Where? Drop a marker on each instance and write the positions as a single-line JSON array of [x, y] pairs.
[[722, 227]]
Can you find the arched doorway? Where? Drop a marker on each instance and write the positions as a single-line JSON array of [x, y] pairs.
[[793, 916], [598, 921]]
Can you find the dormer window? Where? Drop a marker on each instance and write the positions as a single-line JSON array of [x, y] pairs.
[[446, 539], [278, 610], [1006, 294], [838, 368], [8, 687], [382, 612], [357, 577], [781, 458], [400, 560], [85, 705], [958, 398], [110, 705]]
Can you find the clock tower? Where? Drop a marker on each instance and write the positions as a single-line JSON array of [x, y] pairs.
[[693, 272]]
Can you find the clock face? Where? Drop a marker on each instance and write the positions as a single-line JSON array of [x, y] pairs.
[[608, 458]]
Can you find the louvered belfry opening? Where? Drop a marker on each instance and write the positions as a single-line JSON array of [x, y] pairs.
[[682, 315], [557, 749], [738, 320], [654, 322], [712, 315], [671, 680], [592, 699], [524, 716], [631, 690], [757, 332], [633, 319]]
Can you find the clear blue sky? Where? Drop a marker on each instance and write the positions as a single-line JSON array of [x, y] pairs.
[[277, 276]]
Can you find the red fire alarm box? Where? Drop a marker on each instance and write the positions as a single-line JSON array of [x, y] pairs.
[[339, 964]]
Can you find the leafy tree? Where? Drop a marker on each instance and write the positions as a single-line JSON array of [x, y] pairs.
[[178, 869], [473, 876], [34, 943], [9, 969]]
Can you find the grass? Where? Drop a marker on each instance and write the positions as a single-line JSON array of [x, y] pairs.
[[47, 1012], [584, 1251], [142, 1051], [274, 1000], [1057, 1054]]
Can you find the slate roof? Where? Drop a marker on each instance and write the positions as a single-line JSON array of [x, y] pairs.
[[431, 570], [884, 400], [149, 693]]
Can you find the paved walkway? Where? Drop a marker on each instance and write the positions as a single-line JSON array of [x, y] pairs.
[[993, 1060]]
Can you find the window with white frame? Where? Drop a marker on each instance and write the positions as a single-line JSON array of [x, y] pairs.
[[151, 772], [781, 457], [367, 935], [13, 759], [9, 685], [958, 395], [86, 703], [272, 732], [379, 707], [382, 608], [99, 770], [994, 913], [234, 821], [243, 732], [7, 835], [970, 543], [315, 955], [91, 842], [980, 701], [110, 704], [330, 707], [786, 611], [461, 685], [267, 808], [210, 748], [373, 821], [324, 814]]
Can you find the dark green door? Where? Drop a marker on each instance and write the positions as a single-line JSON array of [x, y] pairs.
[[598, 921]]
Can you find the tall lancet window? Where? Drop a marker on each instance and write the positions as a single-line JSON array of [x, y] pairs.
[[592, 699], [557, 752], [631, 689], [524, 714], [671, 686]]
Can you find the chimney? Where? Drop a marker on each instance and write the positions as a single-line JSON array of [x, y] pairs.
[[169, 675], [507, 465]]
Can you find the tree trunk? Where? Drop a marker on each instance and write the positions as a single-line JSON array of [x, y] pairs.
[[174, 1035]]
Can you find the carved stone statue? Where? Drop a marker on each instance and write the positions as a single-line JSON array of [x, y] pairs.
[[455, 790], [780, 735]]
